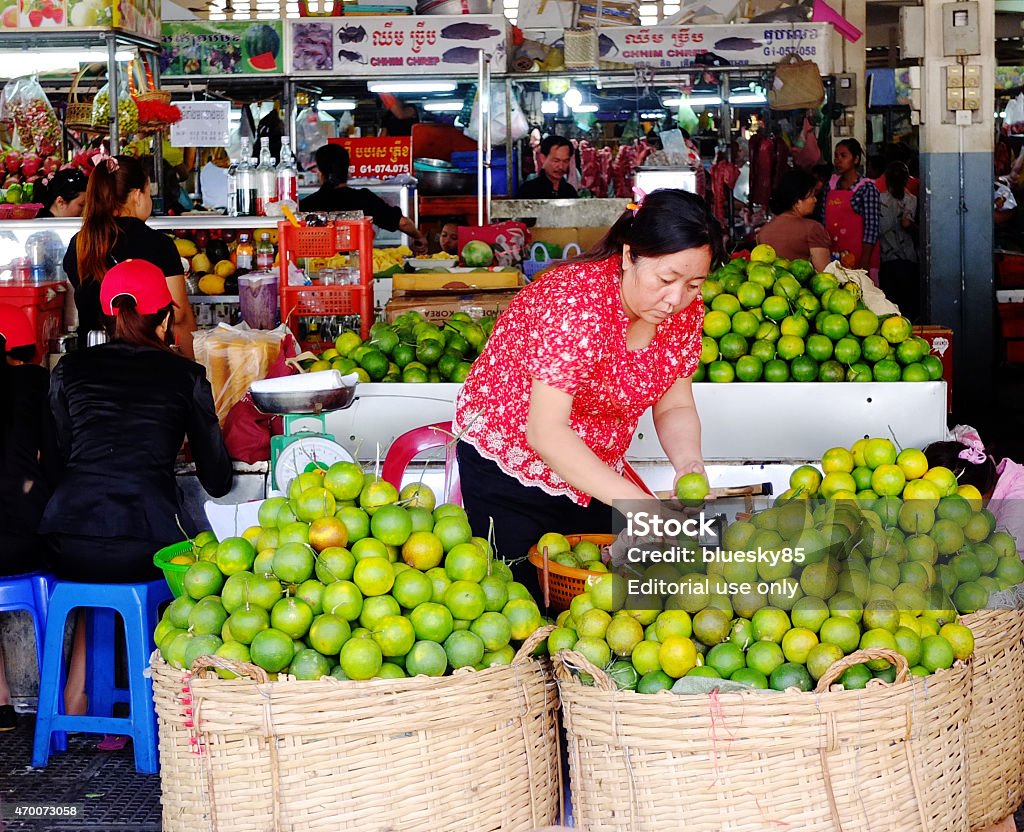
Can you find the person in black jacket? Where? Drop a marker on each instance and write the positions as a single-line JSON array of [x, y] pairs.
[[26, 460], [332, 162], [122, 410]]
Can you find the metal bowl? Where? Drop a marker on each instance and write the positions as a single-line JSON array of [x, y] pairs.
[[316, 401], [426, 163], [445, 183]]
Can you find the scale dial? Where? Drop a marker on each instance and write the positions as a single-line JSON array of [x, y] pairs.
[[306, 451]]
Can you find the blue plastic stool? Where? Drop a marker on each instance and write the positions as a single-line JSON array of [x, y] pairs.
[[31, 593], [138, 605]]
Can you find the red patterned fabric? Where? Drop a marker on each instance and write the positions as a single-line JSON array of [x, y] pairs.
[[568, 330]]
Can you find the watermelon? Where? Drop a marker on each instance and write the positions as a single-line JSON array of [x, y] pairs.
[[262, 44]]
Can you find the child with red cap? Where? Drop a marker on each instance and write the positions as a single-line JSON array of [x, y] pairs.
[[26, 460], [122, 411]]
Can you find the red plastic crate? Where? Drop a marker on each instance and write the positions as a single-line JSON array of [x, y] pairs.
[[1015, 352], [44, 305], [1010, 270]]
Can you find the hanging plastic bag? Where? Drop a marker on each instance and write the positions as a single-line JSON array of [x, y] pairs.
[[127, 109], [31, 122], [1013, 118], [310, 134], [806, 153], [518, 126]]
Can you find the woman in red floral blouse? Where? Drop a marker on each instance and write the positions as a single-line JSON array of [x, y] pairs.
[[549, 409]]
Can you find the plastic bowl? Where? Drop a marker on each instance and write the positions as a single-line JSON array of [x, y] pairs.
[[174, 573], [27, 211], [432, 263]]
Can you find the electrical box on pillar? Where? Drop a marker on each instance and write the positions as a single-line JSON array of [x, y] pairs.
[[960, 32]]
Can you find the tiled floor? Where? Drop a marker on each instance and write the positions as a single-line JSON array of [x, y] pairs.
[[111, 796]]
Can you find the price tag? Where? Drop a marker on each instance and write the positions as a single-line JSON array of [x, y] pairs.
[[203, 124]]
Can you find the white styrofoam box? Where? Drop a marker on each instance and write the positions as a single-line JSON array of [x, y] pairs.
[[1010, 296], [757, 422], [232, 520], [765, 422]]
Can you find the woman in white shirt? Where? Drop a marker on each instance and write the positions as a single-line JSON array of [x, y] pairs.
[[899, 273]]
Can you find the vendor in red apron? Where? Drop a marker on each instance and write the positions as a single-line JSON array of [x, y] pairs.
[[851, 211]]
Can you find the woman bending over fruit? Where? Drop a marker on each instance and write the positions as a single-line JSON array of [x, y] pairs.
[[549, 409]]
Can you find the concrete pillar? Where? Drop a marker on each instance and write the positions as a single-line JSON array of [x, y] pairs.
[[852, 59], [956, 207]]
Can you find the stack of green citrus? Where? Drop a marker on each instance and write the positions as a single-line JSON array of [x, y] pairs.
[[584, 555], [938, 533], [410, 349], [347, 577], [745, 639], [769, 319]]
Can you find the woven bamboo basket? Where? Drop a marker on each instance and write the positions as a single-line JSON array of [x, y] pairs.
[[477, 750], [889, 758], [995, 731], [78, 115], [580, 47]]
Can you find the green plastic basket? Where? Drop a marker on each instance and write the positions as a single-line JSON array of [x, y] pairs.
[[174, 573]]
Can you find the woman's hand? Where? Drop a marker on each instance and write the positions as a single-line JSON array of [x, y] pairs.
[[691, 466], [419, 245]]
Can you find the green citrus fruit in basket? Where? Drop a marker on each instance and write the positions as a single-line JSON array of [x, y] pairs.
[[432, 622], [342, 598], [465, 600], [464, 649], [328, 633], [272, 650], [375, 494], [360, 658], [344, 480], [523, 616], [466, 562], [495, 592], [765, 657], [656, 680], [395, 635], [426, 658], [493, 630], [374, 576], [937, 653], [235, 554], [202, 579], [821, 658], [391, 525], [293, 563]]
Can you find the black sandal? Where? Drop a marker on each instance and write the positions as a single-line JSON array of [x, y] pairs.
[[8, 718]]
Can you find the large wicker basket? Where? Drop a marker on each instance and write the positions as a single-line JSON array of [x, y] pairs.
[[995, 731], [889, 758], [477, 750]]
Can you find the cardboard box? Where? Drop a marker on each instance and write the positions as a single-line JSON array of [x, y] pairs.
[[585, 237], [459, 282], [439, 308], [940, 339]]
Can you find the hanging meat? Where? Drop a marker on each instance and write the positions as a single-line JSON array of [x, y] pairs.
[[762, 163], [724, 175], [604, 171], [589, 175], [622, 170]]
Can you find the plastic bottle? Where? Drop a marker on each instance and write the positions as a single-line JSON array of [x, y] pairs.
[[232, 206], [266, 179], [246, 182], [244, 253], [264, 252], [287, 175]]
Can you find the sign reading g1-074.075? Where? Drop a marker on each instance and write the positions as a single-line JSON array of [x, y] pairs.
[[397, 45]]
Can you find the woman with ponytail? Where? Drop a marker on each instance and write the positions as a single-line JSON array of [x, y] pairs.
[[332, 162], [122, 410], [117, 205], [547, 412]]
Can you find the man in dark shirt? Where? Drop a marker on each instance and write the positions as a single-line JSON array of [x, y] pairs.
[[335, 195], [549, 183]]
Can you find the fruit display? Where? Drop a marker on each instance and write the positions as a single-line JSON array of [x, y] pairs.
[[410, 349], [775, 320], [21, 170], [937, 535], [210, 257], [799, 585], [389, 261], [32, 122], [351, 578], [584, 555], [127, 112]]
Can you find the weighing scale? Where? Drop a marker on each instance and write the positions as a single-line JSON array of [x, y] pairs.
[[304, 401]]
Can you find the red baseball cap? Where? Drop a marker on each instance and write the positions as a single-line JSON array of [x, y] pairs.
[[140, 280], [15, 327]]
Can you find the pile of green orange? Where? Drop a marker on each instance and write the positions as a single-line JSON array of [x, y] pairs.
[[937, 532], [350, 578], [770, 319], [410, 349]]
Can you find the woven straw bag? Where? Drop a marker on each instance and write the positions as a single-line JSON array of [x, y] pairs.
[[888, 758], [995, 731], [797, 85], [581, 48], [477, 750]]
